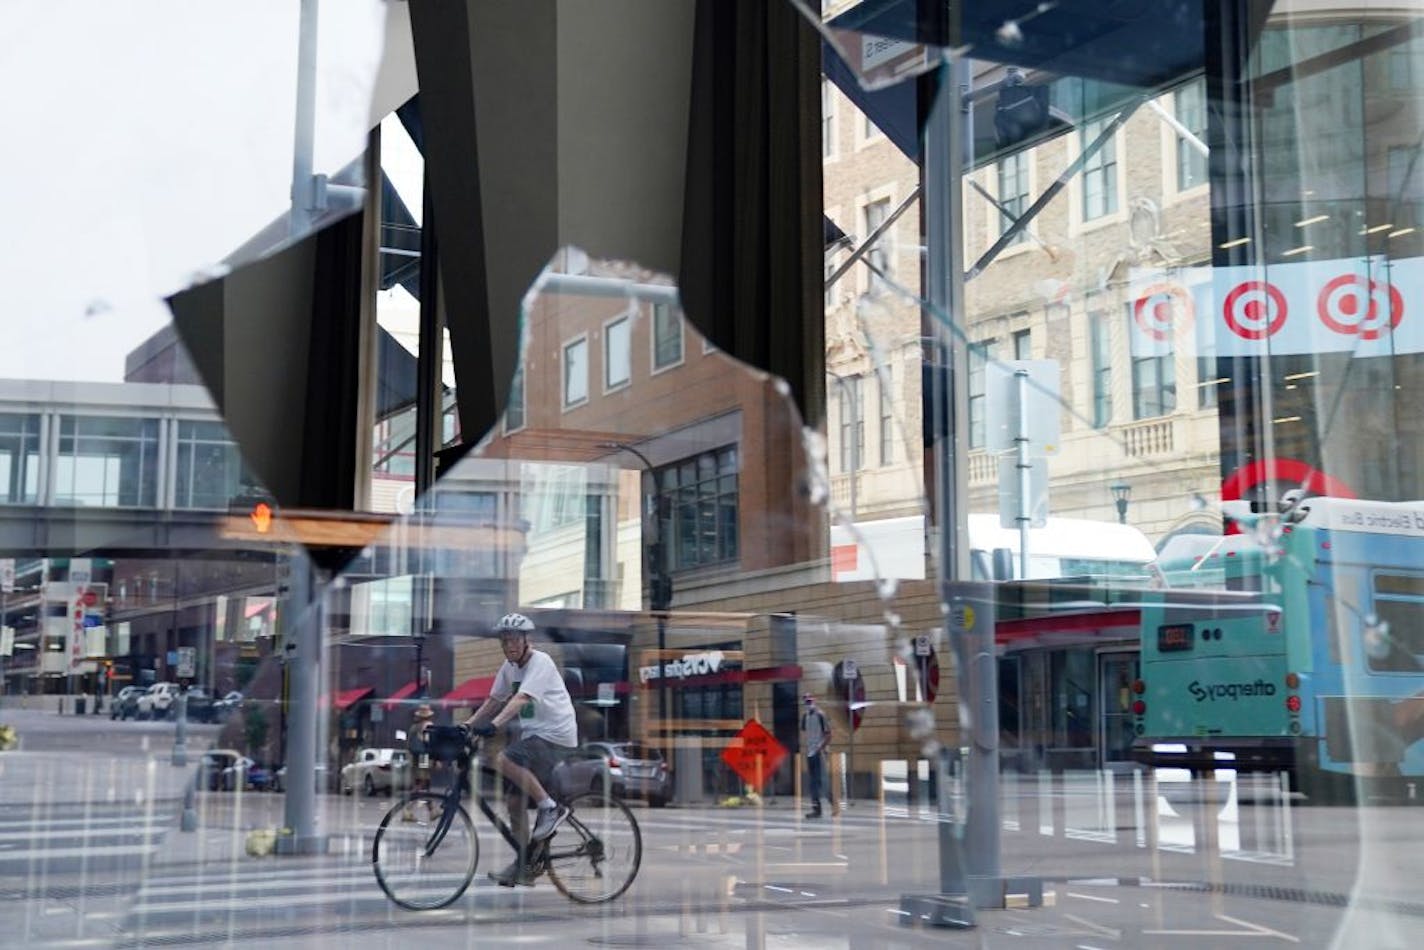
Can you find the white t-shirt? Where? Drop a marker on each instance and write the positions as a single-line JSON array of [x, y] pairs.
[[551, 715]]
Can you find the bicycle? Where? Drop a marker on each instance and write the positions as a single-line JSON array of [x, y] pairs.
[[429, 860]]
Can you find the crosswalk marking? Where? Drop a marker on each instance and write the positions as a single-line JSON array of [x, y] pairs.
[[120, 821], [80, 833], [92, 851]]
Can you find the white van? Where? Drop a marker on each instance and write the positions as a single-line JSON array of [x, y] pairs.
[[1063, 547]]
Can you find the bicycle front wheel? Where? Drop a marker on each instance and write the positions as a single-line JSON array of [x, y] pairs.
[[418, 866], [596, 852]]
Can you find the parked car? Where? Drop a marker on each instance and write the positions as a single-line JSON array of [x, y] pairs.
[[635, 770], [583, 770], [200, 705], [124, 705], [377, 770], [225, 707], [224, 770], [263, 778], [157, 701]]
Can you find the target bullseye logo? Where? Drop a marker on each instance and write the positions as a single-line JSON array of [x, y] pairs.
[[1352, 305], [1254, 309], [1159, 307]]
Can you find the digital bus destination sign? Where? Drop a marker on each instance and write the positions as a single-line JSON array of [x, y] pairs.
[[1175, 638]]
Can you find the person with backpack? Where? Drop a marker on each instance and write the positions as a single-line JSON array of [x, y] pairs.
[[815, 740]]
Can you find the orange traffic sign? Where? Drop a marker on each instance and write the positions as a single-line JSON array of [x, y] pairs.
[[754, 754]]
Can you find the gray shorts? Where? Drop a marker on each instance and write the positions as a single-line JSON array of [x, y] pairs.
[[536, 754]]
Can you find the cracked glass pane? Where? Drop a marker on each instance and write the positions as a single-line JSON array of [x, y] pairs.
[[152, 590], [1178, 299], [674, 534]]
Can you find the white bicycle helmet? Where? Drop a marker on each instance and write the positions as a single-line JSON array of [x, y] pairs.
[[514, 623]]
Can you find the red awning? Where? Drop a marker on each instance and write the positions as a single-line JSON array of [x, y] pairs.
[[348, 696], [471, 691], [393, 700]]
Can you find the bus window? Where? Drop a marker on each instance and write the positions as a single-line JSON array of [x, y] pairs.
[[1404, 640]]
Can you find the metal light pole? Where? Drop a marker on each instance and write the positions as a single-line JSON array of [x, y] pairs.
[[659, 583]]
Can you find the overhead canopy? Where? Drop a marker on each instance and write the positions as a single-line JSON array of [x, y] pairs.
[[348, 697], [395, 698], [471, 691], [1089, 57]]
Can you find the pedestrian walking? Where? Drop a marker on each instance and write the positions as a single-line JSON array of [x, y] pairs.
[[815, 739]]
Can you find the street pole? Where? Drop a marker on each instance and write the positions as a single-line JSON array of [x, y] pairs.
[[659, 584], [180, 728], [303, 618]]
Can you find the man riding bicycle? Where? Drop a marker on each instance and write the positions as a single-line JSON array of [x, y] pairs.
[[528, 688]]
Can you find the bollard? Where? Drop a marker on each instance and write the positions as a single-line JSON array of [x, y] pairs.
[[189, 821]]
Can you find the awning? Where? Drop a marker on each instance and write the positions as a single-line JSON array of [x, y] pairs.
[[348, 696], [471, 691], [394, 699]]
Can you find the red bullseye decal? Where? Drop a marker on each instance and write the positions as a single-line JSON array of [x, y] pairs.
[[1351, 305], [1160, 307], [1254, 309]]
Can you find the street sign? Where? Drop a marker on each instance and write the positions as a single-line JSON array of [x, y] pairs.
[[1001, 410], [7, 575], [754, 754], [81, 571], [929, 674], [187, 662], [849, 669], [922, 645]]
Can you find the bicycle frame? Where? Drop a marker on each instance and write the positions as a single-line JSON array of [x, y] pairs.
[[455, 792]]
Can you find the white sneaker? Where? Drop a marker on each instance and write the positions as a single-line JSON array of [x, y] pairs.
[[549, 819]]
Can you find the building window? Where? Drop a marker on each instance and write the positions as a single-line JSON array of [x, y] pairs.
[[1190, 107], [514, 410], [878, 256], [1013, 190], [19, 458], [828, 119], [852, 423], [107, 461], [616, 353], [1207, 383], [553, 496], [1154, 382], [887, 415], [576, 372], [979, 356], [209, 471], [1102, 369], [697, 509], [1099, 172], [667, 336], [1023, 344]]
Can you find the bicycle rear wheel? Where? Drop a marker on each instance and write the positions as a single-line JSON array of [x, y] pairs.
[[596, 852], [412, 878]]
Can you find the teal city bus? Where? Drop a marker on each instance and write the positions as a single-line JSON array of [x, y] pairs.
[[1296, 646]]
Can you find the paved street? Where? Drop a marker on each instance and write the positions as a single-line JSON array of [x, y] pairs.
[[91, 854]]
